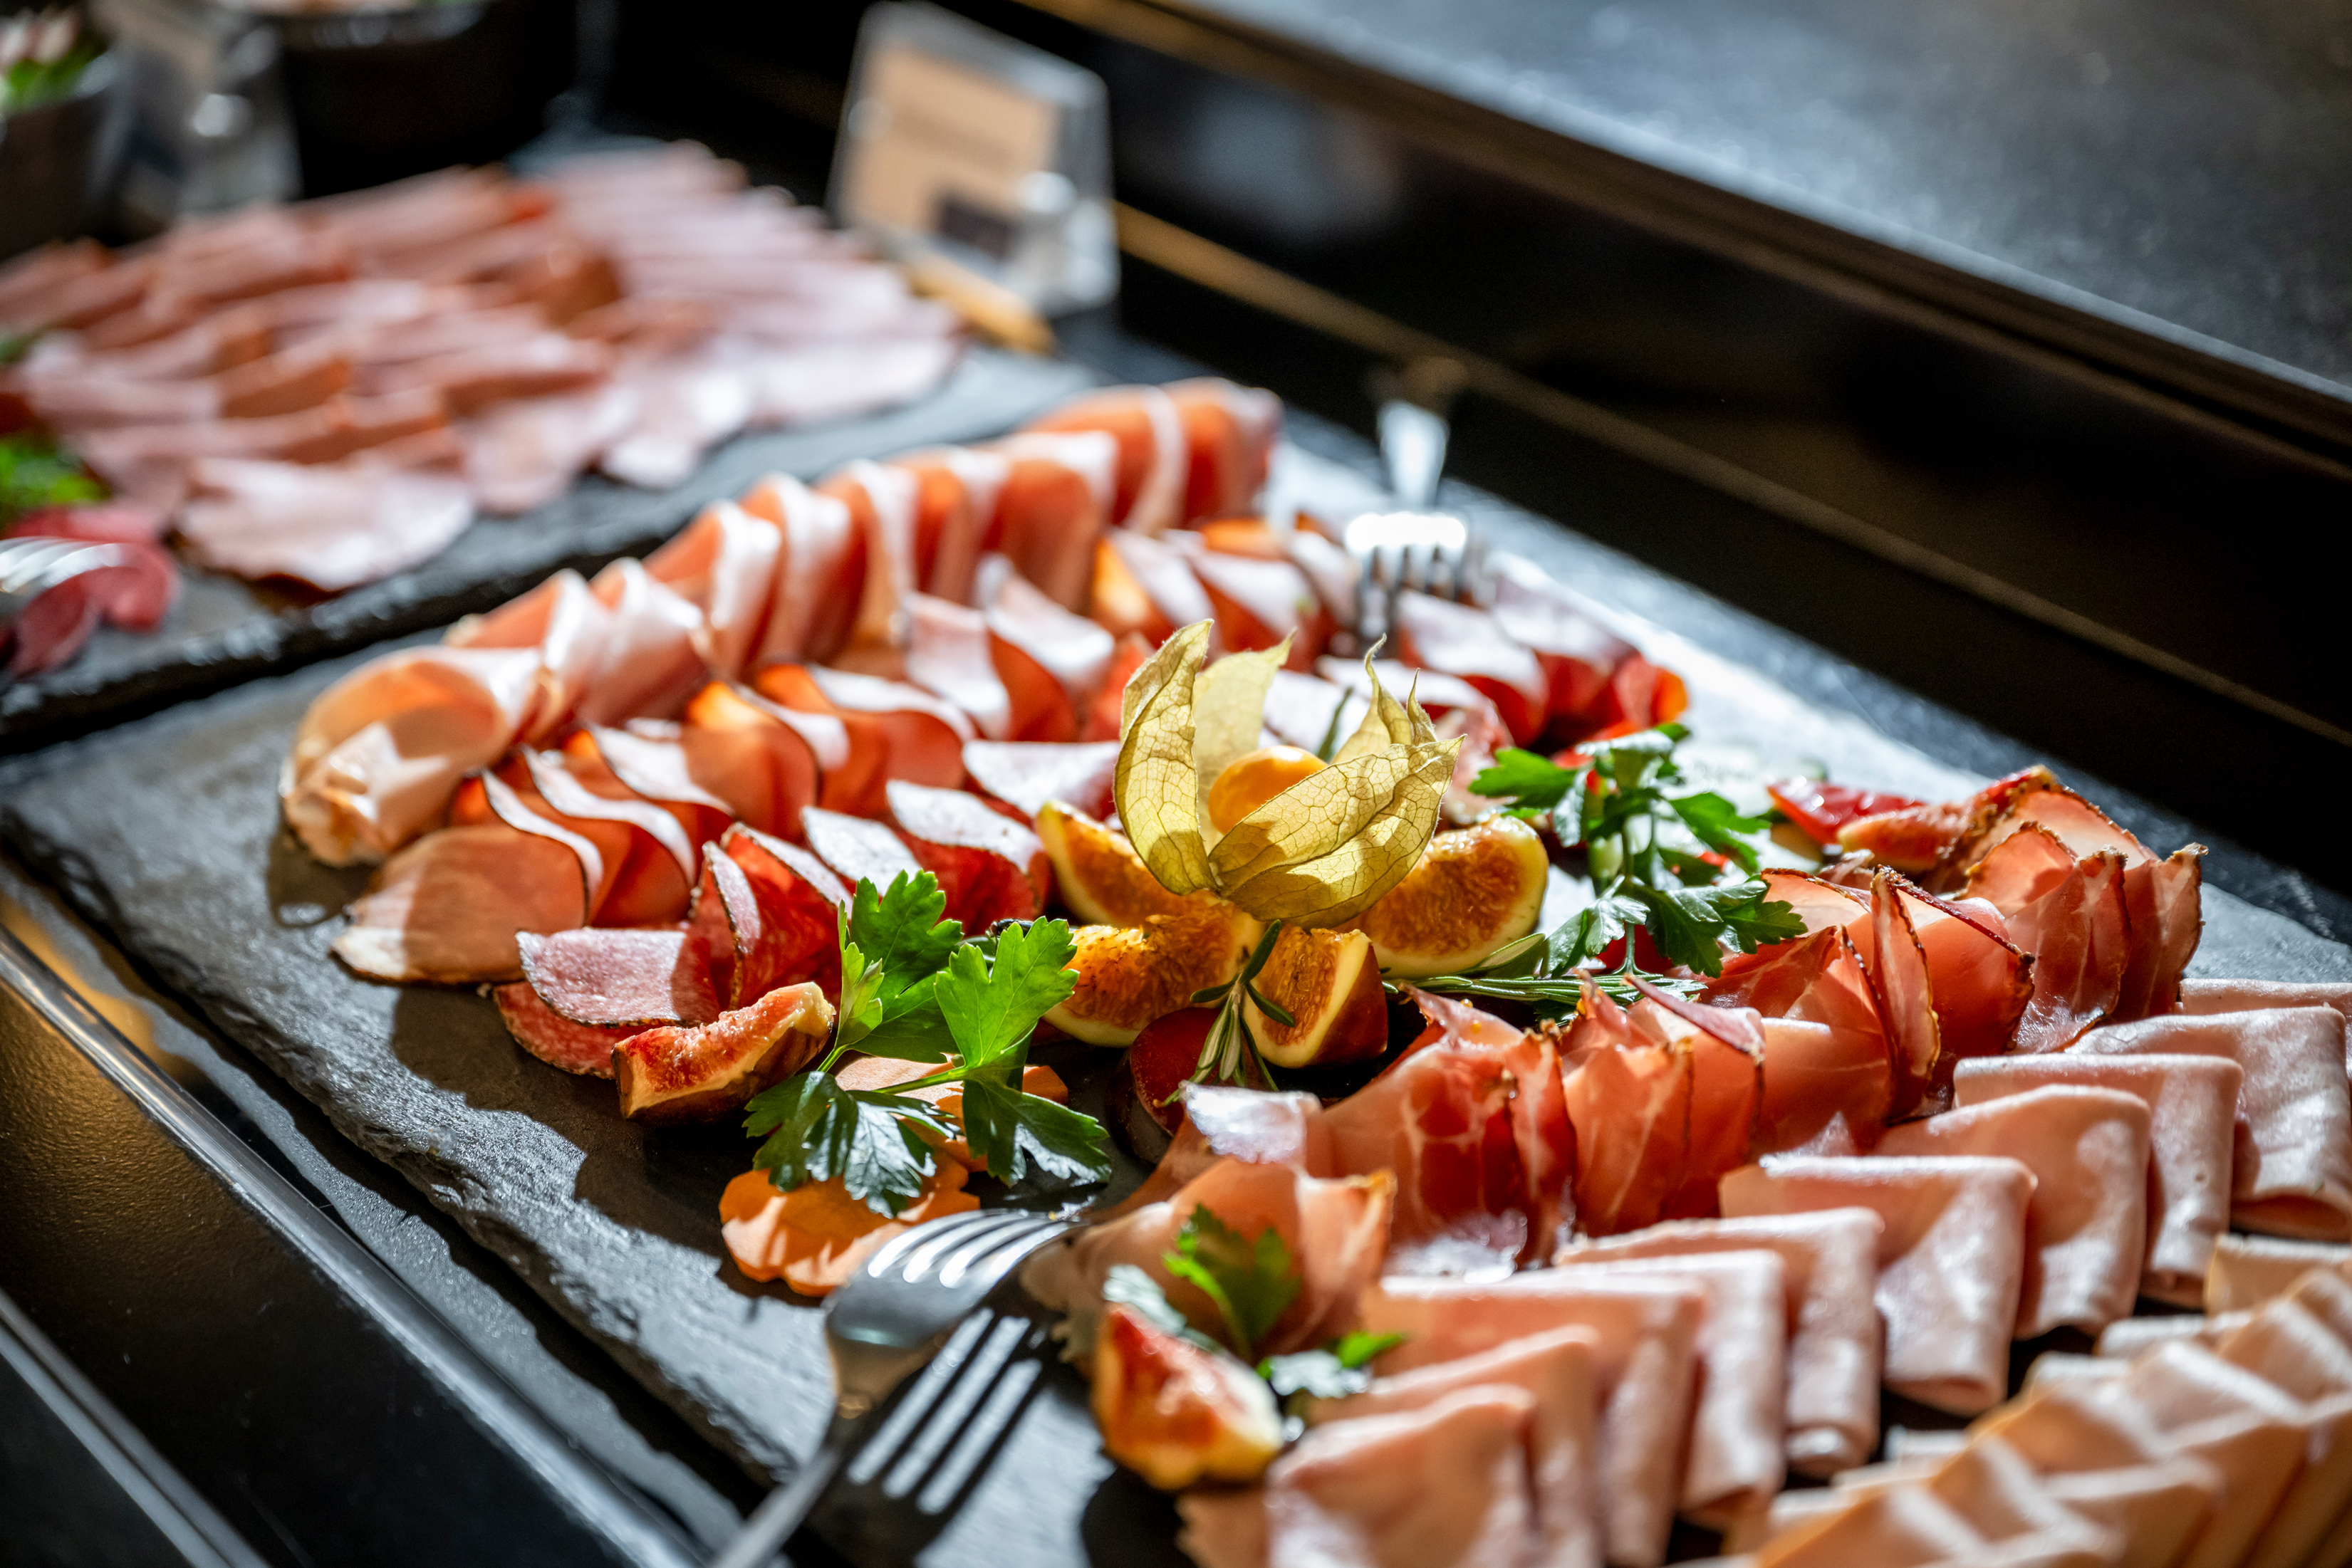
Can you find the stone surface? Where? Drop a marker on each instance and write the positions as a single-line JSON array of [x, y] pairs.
[[225, 630], [615, 1225]]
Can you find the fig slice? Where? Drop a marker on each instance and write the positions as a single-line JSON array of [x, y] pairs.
[[1330, 984], [1475, 890], [703, 1072], [1175, 1413], [1131, 975], [1102, 880]]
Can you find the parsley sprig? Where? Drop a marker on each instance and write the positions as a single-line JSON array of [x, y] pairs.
[[35, 474], [915, 989]]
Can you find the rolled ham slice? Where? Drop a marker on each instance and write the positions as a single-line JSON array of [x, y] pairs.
[[1737, 1461], [1645, 1360], [1830, 1270], [2302, 1356], [2192, 1107], [1951, 1259], [2248, 1271], [2292, 1174], [2203, 997], [449, 906], [1556, 1370], [2087, 1228], [1334, 1497], [566, 624], [2252, 1433]]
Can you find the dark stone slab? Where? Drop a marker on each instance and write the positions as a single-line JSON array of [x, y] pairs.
[[165, 833], [225, 630]]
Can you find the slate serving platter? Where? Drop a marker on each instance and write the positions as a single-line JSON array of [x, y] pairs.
[[226, 629], [166, 833]]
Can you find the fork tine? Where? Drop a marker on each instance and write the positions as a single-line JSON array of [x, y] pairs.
[[986, 1262], [925, 1258], [887, 1256]]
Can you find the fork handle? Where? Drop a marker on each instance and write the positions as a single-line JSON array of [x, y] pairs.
[[782, 1511]]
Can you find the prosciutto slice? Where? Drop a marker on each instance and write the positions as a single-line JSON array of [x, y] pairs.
[[2191, 1104], [2069, 915], [882, 501], [1644, 1363], [648, 664], [1336, 1230], [329, 526], [1467, 642], [724, 564], [991, 867], [1555, 1369], [1155, 455], [2087, 1228], [820, 569], [1230, 431], [767, 913], [1054, 502], [1334, 1497], [1050, 660], [1029, 775], [1830, 1270], [955, 507], [948, 654], [565, 625], [1951, 1259], [1262, 1128], [1577, 654], [766, 763], [858, 848], [2292, 1171], [449, 906]]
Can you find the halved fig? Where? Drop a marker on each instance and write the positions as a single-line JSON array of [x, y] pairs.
[[1163, 1058], [1175, 1413], [1475, 890], [1330, 984], [705, 1072], [1129, 975], [1103, 881]]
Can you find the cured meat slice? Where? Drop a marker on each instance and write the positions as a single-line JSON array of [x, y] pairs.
[[1464, 641], [820, 571], [1577, 654], [1951, 1259], [948, 654], [2248, 1271], [2252, 1433], [858, 848], [1897, 965], [650, 763], [577, 1048], [1725, 1046], [2087, 1228], [1260, 602], [766, 762], [2191, 1102], [379, 752], [1898, 1527], [1736, 1460], [2070, 915], [649, 862], [1161, 572], [2154, 1509], [649, 663], [595, 975], [1334, 1497], [541, 365], [1644, 1363], [1631, 1108], [882, 502], [2293, 1170], [1829, 1077], [1053, 507], [955, 507], [1259, 1128], [1556, 1369], [330, 526], [1830, 1262], [925, 736], [1335, 1231], [991, 867], [768, 913], [1154, 453], [2302, 1356], [1029, 775], [521, 455], [724, 563], [687, 404], [448, 906], [1050, 661], [506, 794], [2202, 997], [565, 625], [1230, 431]]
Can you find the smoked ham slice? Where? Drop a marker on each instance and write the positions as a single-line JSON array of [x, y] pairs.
[[1830, 1262], [764, 762], [950, 655], [1556, 1370], [2069, 915], [1056, 499], [1050, 661], [1645, 1359], [449, 906], [991, 867], [1155, 454], [1031, 775], [2086, 1227], [1264, 1128], [565, 625], [2202, 996], [2293, 1174], [2192, 1103], [858, 848], [1951, 1259], [1464, 641], [648, 664], [819, 570]]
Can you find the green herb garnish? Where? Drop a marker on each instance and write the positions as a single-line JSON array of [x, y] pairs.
[[35, 474]]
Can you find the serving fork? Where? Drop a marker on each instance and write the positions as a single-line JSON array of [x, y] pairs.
[[1415, 546], [891, 1317], [31, 565]]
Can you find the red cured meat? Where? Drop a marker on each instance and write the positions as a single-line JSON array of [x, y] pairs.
[[448, 906], [1978, 982], [1821, 808], [1054, 506], [555, 1039], [649, 663], [1230, 431], [724, 563], [620, 765], [819, 571], [854, 785], [2069, 915], [948, 654], [859, 849], [781, 909], [52, 628], [1577, 654], [612, 978], [565, 625], [764, 762], [925, 737], [955, 502], [991, 867], [654, 861], [1260, 602], [1462, 640], [1027, 775], [1051, 662], [882, 502], [1155, 456], [135, 595]]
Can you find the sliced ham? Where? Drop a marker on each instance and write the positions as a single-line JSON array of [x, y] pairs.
[[948, 654], [955, 504], [819, 570], [565, 625], [2302, 1356], [1830, 1262], [1265, 1128], [1464, 641], [2248, 1271], [598, 976], [1577, 654], [925, 737], [1644, 1362], [766, 763], [1161, 571], [1951, 1259], [649, 760], [2191, 1102], [2293, 1170], [2087, 1228], [2251, 1432], [1154, 460], [2069, 915], [653, 860], [724, 563], [329, 526], [520, 455], [687, 404], [1029, 775], [991, 867], [1050, 661], [2202, 997], [449, 906], [767, 913], [882, 501], [1053, 507], [649, 663], [1260, 602], [1230, 431]]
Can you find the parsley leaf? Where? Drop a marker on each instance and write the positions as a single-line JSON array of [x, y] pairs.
[[1251, 1283], [35, 474], [1531, 782], [872, 1141], [1718, 824], [893, 945], [1338, 1369], [992, 1008]]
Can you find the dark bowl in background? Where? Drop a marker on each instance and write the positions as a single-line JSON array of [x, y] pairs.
[[58, 162], [377, 95]]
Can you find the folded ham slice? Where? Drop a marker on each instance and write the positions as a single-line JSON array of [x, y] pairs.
[[2248, 1271], [950, 655], [1246, 1125], [1829, 1263], [1334, 1497], [2293, 1173], [565, 625], [449, 906], [1951, 1259], [1050, 660], [2086, 1228], [648, 664], [1053, 507], [2252, 1433], [1898, 1527], [2069, 915], [1556, 1369], [1464, 641], [2191, 1102], [2302, 1356], [329, 526], [1031, 774], [2202, 996], [724, 563], [1155, 455], [2102, 1456], [820, 569], [766, 762], [1645, 1359]]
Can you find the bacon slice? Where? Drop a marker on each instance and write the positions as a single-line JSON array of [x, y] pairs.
[[448, 906], [1644, 1363], [1829, 1261], [2293, 1171], [2191, 1102], [2087, 1228], [1336, 1230], [1951, 1259], [991, 867]]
